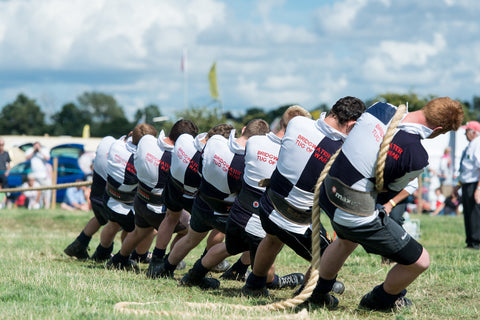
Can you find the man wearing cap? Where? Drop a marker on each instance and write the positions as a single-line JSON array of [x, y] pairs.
[[469, 180]]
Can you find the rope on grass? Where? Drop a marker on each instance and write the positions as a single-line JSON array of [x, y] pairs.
[[52, 187], [316, 212], [126, 307]]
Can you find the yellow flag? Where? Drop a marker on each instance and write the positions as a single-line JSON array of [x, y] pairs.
[[212, 78], [86, 131]]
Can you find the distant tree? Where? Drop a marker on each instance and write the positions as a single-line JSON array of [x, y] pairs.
[[276, 113], [205, 118], [254, 113], [472, 109], [108, 117], [70, 121], [147, 114], [414, 102], [23, 116]]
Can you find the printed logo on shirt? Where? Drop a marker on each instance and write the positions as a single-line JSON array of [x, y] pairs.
[[394, 151], [234, 173], [193, 166], [164, 166], [220, 162], [306, 144], [183, 156], [322, 155], [152, 159], [378, 132], [128, 166], [266, 157]]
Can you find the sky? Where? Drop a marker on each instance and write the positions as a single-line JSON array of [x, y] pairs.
[[268, 53]]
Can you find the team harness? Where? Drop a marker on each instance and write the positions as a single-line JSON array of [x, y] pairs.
[[181, 187], [148, 196], [249, 198], [288, 211], [360, 203], [119, 195], [218, 205]]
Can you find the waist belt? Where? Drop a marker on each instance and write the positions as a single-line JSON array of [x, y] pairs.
[[288, 211], [148, 196], [360, 203], [218, 205], [181, 187], [249, 200], [122, 196]]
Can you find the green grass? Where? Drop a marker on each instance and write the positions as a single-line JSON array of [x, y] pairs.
[[38, 281]]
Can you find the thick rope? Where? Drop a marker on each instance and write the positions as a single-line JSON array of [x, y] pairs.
[[52, 187], [125, 307], [315, 264], [387, 139]]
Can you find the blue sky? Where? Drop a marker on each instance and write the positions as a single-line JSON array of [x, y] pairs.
[[268, 52]]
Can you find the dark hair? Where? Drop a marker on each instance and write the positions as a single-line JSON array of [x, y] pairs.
[[182, 126], [221, 129], [348, 108], [256, 127]]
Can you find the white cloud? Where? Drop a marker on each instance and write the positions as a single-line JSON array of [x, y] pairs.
[[103, 33], [265, 6], [338, 18], [407, 53], [407, 62], [284, 82], [272, 94], [332, 88]]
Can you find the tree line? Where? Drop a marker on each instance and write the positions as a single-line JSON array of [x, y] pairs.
[[106, 117]]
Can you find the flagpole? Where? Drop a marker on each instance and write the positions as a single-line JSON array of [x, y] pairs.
[[185, 89]]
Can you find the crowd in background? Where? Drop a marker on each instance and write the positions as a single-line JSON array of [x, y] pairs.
[[40, 174]]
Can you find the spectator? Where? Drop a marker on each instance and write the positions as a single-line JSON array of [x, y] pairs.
[[32, 197], [439, 198], [4, 163], [469, 176], [445, 172], [450, 207], [75, 199], [41, 170]]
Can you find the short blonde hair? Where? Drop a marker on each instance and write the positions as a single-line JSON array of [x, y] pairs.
[[291, 113]]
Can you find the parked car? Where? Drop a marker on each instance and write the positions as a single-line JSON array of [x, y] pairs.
[[68, 170]]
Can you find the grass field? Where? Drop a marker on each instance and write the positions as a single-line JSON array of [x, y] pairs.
[[38, 281]]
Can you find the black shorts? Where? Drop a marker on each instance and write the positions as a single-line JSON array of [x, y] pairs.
[[385, 237], [300, 243], [127, 222], [237, 240], [203, 219], [99, 211], [174, 198], [146, 218]]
